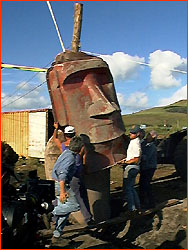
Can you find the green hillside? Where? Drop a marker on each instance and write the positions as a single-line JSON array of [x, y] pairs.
[[164, 120]]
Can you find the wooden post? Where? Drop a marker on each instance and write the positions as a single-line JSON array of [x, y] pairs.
[[77, 27]]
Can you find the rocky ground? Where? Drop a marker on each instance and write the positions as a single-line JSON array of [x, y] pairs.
[[164, 228]]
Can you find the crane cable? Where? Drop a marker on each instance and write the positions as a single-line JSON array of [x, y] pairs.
[[58, 33], [137, 62]]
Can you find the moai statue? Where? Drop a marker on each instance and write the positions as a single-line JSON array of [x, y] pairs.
[[82, 93]]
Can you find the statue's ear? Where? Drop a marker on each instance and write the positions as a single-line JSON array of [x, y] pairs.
[[56, 97]]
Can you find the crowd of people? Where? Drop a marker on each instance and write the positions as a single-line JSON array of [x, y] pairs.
[[71, 193]]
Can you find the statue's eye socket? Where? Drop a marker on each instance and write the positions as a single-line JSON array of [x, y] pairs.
[[73, 80]]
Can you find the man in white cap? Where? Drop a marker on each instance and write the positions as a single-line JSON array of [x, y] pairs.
[[147, 170], [69, 132]]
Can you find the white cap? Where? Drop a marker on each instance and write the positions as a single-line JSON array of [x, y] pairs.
[[69, 130]]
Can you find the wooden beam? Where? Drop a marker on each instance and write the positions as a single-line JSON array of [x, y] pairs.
[[122, 218], [77, 27]]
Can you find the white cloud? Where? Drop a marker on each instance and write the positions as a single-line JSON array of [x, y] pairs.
[[3, 95], [49, 106], [5, 74], [162, 63], [122, 66], [180, 94], [24, 86], [121, 99], [135, 102], [42, 76], [33, 100], [5, 82], [183, 65]]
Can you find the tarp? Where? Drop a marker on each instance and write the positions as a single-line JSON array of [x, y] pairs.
[[25, 68]]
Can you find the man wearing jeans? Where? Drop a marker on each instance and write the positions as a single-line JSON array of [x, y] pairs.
[[63, 171], [77, 183], [131, 169]]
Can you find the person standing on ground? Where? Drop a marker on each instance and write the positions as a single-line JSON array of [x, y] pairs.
[[63, 171], [131, 169], [147, 170], [77, 183]]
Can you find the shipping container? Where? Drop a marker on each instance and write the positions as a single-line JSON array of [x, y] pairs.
[[27, 132]]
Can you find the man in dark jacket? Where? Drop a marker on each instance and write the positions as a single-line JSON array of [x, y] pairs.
[[147, 169]]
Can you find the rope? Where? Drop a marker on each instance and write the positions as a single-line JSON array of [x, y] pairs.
[[34, 69], [21, 68], [58, 33], [25, 68]]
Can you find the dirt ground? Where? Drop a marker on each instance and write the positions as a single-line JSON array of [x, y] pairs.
[[165, 179], [166, 183], [166, 186]]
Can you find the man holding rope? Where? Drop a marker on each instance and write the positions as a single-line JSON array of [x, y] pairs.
[[63, 171]]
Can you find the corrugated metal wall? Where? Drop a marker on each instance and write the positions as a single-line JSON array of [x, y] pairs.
[[27, 132], [15, 131]]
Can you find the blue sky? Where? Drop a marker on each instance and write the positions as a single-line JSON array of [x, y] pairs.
[[143, 42]]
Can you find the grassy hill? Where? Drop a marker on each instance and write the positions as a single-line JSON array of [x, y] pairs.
[[165, 120]]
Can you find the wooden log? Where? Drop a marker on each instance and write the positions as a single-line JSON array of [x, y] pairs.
[[77, 27], [117, 220]]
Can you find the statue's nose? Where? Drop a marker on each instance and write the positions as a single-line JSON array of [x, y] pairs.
[[100, 104]]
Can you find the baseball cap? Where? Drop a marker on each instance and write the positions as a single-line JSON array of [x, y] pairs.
[[69, 130], [135, 129]]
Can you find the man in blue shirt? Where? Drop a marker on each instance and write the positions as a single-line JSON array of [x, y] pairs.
[[77, 182], [63, 171]]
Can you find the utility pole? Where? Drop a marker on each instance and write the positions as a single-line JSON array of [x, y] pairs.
[[77, 27]]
